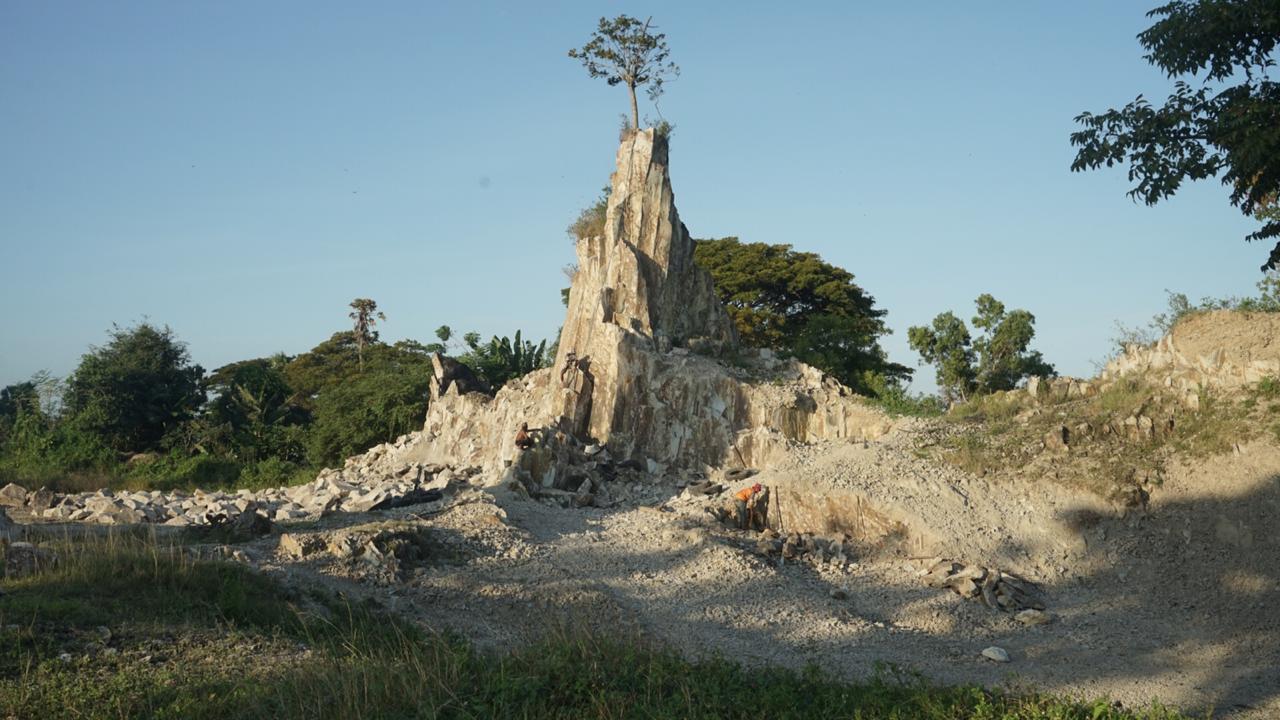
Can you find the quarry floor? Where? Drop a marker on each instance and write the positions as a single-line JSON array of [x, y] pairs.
[[1178, 603]]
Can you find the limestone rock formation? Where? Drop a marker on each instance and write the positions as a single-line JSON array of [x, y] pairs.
[[640, 275], [642, 369]]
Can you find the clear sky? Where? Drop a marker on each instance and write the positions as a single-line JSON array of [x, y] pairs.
[[241, 170]]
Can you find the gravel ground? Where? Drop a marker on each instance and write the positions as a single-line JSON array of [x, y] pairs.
[[1177, 603]]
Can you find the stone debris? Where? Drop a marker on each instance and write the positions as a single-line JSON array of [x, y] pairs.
[[383, 553], [13, 495], [832, 550], [1032, 616], [367, 483], [300, 547], [996, 654], [997, 590]]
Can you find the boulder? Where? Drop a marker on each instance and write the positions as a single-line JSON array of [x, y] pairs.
[[24, 558], [1057, 439], [996, 654], [299, 547], [13, 495]]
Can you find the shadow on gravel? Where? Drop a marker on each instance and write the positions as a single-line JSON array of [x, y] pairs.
[[1184, 597]]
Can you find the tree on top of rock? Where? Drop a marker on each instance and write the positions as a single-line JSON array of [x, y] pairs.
[[623, 51]]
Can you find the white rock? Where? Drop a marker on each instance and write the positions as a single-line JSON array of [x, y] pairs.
[[996, 654], [1032, 616]]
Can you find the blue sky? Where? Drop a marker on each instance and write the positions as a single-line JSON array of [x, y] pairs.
[[241, 170]]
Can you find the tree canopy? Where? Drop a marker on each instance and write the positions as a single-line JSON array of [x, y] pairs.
[[136, 389], [624, 51], [796, 303], [998, 359], [1224, 121]]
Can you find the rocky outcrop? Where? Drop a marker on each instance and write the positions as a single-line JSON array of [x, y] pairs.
[[1222, 349], [640, 275], [648, 367]]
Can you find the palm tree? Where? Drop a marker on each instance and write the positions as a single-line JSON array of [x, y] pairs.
[[365, 315]]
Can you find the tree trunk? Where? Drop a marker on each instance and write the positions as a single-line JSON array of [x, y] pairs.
[[635, 112]]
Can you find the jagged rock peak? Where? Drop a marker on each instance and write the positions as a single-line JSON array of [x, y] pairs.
[[640, 275]]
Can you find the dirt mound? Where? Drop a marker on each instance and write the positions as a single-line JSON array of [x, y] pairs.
[[1242, 337], [1223, 349]]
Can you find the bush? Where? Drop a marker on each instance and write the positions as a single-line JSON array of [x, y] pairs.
[[177, 471], [376, 407], [274, 472], [136, 390]]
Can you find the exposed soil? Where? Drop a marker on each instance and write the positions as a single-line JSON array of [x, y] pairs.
[[1243, 337], [1176, 602]]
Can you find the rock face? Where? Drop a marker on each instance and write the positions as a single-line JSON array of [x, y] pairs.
[[640, 370], [640, 276], [1220, 349]]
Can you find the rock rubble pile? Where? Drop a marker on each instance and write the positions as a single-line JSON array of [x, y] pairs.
[[997, 590], [368, 482]]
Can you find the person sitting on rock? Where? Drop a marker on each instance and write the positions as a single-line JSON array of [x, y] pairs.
[[524, 440]]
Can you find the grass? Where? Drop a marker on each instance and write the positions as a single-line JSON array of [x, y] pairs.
[[125, 627], [203, 472], [1003, 432]]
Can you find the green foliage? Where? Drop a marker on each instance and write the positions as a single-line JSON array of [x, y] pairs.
[[39, 448], [179, 471], [624, 51], [998, 359], [590, 222], [136, 390], [503, 359], [796, 303], [251, 413], [1003, 358], [387, 400], [1202, 130], [364, 314], [948, 346], [894, 399], [14, 399]]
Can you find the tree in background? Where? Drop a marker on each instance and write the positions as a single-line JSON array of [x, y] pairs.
[[252, 408], [137, 389], [502, 358], [385, 401], [797, 304], [1206, 129], [1003, 357], [623, 51], [366, 316], [947, 345], [997, 360], [19, 397]]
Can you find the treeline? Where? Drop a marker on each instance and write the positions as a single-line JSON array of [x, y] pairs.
[[138, 412]]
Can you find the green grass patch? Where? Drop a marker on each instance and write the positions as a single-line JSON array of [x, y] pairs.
[[237, 644]]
